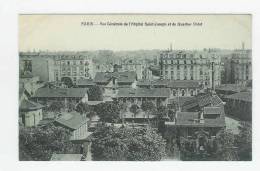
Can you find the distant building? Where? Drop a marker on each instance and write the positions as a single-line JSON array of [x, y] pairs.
[[237, 67], [241, 67], [140, 67], [202, 66], [177, 87], [54, 66], [111, 81]]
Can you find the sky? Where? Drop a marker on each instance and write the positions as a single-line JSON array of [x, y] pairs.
[[68, 32]]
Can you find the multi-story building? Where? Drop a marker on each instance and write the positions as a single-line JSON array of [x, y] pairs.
[[54, 66], [241, 68], [140, 67], [203, 66]]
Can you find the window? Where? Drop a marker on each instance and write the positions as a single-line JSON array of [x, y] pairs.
[[171, 61], [173, 92], [178, 67], [182, 92], [184, 61], [178, 62], [185, 66], [191, 93], [68, 62]]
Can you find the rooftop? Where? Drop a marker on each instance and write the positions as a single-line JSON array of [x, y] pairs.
[[71, 120], [243, 96], [122, 77], [231, 87], [88, 82], [143, 92], [61, 92], [29, 105], [170, 83]]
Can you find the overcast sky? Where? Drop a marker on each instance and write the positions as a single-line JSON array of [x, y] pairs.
[[65, 32]]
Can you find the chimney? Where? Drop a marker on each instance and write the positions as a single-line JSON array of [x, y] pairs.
[[171, 47], [243, 45]]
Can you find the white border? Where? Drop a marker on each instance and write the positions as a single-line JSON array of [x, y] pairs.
[[9, 11]]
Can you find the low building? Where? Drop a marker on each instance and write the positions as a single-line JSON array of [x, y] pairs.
[[48, 95], [111, 81], [159, 96], [186, 124], [239, 105], [30, 113], [228, 89], [76, 123], [178, 87]]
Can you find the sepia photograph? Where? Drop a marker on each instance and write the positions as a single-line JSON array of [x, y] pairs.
[[135, 87]]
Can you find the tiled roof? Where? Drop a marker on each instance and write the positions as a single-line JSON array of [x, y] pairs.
[[71, 120], [66, 157], [122, 77], [191, 119], [185, 102], [184, 84], [61, 92], [144, 92], [187, 118], [207, 99], [170, 83], [85, 82], [243, 96], [30, 105]]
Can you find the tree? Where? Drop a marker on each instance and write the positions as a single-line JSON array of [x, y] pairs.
[[148, 107], [56, 106], [226, 150], [95, 94], [134, 109], [110, 143], [83, 108], [162, 112], [40, 143], [67, 81], [244, 141], [108, 112]]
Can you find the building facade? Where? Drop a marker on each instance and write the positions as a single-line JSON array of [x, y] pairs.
[[202, 66]]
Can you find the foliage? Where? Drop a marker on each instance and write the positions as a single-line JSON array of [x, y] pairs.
[[162, 112], [225, 142], [56, 106], [134, 108], [244, 141], [40, 143], [110, 143], [108, 112], [95, 93], [202, 147], [83, 108], [147, 106], [67, 81]]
